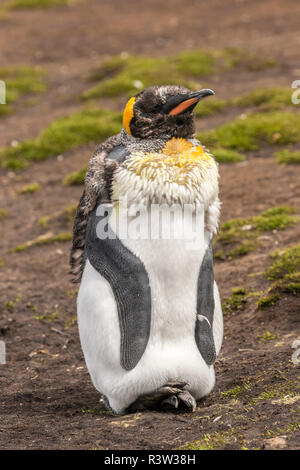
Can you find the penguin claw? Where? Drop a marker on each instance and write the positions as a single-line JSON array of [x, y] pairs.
[[170, 402], [188, 400]]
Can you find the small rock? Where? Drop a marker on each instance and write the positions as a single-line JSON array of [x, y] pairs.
[[278, 442]]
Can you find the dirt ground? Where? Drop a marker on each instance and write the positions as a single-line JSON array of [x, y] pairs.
[[47, 400]]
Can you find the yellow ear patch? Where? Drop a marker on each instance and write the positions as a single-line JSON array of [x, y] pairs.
[[128, 115]]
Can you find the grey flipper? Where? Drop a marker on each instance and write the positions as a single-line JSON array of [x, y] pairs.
[[118, 153], [130, 284], [205, 309]]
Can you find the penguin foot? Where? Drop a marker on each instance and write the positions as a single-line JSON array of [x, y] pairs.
[[171, 396]]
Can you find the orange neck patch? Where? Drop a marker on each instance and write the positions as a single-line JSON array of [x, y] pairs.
[[128, 115]]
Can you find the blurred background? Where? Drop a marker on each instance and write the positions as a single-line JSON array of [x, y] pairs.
[[69, 68]]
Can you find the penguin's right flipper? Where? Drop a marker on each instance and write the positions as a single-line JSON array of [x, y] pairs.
[[129, 281]]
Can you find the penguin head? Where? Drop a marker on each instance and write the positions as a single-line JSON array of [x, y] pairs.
[[162, 110]]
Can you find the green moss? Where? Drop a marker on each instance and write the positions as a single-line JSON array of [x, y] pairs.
[[19, 248], [69, 212], [66, 216], [70, 322], [63, 135], [59, 238], [21, 81], [210, 107], [286, 157], [238, 237], [214, 440], [3, 213], [10, 305], [276, 218], [268, 336], [287, 262], [234, 392], [24, 4], [30, 188], [261, 64], [133, 73], [47, 316], [227, 156], [235, 301], [267, 301], [285, 271], [195, 63], [127, 74], [72, 294], [44, 221], [249, 131], [242, 249], [278, 390], [282, 431], [266, 98], [44, 239], [75, 178], [2, 262]]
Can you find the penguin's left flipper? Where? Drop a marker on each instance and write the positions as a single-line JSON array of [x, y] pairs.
[[171, 396], [128, 280]]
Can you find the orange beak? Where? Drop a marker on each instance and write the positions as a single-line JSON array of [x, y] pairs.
[[180, 103]]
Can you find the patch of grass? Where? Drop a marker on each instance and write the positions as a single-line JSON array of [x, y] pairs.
[[222, 155], [44, 239], [234, 392], [286, 157], [70, 322], [10, 305], [235, 301], [276, 218], [2, 262], [238, 237], [210, 107], [65, 134], [128, 74], [247, 132], [268, 336], [279, 431], [72, 294], [267, 301], [21, 81], [46, 316], [278, 390], [66, 216], [286, 262], [3, 213], [44, 221], [75, 178], [29, 188], [285, 271], [214, 440], [266, 99], [25, 4]]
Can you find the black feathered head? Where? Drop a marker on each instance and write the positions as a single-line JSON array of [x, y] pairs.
[[162, 110]]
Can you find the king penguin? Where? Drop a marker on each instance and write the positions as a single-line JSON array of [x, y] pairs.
[[149, 311]]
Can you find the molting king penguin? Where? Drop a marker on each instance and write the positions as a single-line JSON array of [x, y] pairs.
[[149, 311]]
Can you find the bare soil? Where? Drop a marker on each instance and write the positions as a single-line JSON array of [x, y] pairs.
[[47, 400]]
